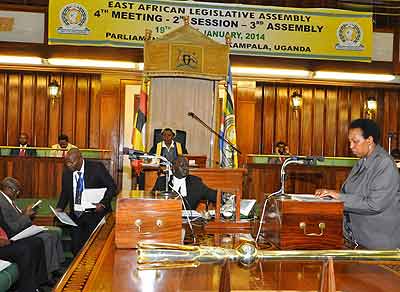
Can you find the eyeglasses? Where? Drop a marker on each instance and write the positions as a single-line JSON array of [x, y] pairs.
[[15, 191]]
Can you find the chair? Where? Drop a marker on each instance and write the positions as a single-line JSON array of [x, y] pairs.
[[179, 137]]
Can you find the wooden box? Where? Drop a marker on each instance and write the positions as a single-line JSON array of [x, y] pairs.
[[147, 218], [291, 224]]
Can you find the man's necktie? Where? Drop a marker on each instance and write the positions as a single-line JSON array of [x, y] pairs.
[[79, 188], [15, 207], [21, 152]]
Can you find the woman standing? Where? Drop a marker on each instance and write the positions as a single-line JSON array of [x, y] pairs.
[[371, 192]]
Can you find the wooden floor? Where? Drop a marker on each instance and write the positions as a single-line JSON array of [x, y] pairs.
[[102, 267]]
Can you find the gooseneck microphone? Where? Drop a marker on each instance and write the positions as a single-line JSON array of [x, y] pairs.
[[307, 160], [191, 114]]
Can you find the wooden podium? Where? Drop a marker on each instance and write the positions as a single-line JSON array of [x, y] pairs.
[[144, 216], [293, 224]]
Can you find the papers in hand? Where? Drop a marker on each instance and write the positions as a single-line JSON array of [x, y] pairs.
[[63, 217], [190, 213], [4, 265], [28, 232], [89, 198]]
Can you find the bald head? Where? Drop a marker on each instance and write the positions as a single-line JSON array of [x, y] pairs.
[[180, 167], [11, 187], [73, 159]]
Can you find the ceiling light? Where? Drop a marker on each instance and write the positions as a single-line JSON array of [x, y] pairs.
[[270, 71], [20, 60], [353, 76], [93, 63]]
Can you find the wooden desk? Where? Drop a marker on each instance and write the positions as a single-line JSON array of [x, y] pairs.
[[101, 267], [213, 177]]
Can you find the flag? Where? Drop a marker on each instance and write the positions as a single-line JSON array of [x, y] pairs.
[[139, 126], [228, 156]]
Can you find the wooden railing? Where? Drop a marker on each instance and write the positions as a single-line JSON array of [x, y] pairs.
[[40, 176]]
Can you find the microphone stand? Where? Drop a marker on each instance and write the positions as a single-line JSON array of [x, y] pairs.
[[233, 147], [309, 160], [164, 160], [391, 135]]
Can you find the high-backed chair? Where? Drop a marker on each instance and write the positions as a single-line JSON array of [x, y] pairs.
[[179, 137]]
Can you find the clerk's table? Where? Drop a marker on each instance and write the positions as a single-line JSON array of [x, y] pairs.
[[101, 266]]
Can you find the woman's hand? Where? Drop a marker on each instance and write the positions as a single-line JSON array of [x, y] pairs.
[[327, 193]]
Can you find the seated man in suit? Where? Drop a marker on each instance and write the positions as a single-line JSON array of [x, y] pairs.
[[23, 143], [15, 220], [62, 147], [80, 174], [168, 148], [191, 187]]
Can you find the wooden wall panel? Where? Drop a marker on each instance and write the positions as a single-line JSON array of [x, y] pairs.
[[343, 120], [331, 121], [87, 111], [82, 109], [281, 113], [318, 122], [247, 119], [321, 126], [391, 118], [269, 96], [69, 106], [3, 108], [357, 106], [306, 120], [40, 135], [27, 103], [94, 108], [13, 109]]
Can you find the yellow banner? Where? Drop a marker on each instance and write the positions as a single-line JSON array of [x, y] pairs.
[[255, 30]]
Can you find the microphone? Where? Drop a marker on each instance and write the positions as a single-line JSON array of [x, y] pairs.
[[312, 160], [308, 160], [133, 154], [190, 114]]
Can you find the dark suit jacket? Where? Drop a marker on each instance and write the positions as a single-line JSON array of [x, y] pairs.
[[29, 152], [195, 188], [13, 221], [95, 176]]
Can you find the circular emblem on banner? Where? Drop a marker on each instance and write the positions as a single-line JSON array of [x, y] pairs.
[[230, 133], [73, 18], [350, 36]]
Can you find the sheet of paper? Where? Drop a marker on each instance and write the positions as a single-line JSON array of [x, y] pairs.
[[28, 232], [246, 205], [91, 197], [311, 198], [4, 265], [63, 217]]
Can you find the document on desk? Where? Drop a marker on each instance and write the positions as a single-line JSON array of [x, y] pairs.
[[63, 217], [311, 198], [91, 197], [28, 232]]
